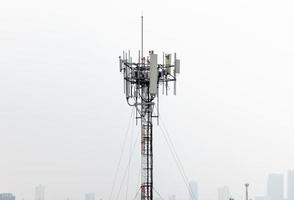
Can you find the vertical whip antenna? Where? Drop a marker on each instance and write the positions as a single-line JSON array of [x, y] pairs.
[[142, 36]]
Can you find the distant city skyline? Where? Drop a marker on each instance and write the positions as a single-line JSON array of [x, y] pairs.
[[275, 189]]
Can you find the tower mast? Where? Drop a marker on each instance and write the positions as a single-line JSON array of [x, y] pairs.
[[146, 136], [141, 86]]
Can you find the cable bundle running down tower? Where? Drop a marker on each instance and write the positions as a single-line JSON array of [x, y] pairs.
[[142, 83]]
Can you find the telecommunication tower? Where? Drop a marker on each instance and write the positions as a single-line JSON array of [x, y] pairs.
[[143, 80]]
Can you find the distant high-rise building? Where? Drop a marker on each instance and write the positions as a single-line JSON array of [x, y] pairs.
[[7, 196], [290, 185], [224, 193], [193, 190], [275, 187], [40, 192], [172, 197], [90, 196]]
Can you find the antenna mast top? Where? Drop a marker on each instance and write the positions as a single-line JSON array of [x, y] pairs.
[[142, 53]]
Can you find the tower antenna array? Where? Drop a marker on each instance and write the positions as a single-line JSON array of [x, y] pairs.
[[141, 87]]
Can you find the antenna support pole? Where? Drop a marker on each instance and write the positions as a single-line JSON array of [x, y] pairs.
[[142, 53]]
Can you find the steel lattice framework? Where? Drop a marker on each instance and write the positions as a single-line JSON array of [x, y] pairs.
[[142, 82]]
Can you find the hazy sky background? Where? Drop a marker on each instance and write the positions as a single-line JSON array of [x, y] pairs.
[[63, 114]]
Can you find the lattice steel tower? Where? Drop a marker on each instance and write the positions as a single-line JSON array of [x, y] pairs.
[[142, 81]]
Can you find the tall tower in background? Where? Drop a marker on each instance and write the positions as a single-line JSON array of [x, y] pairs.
[[290, 185], [275, 187], [40, 192], [194, 190], [224, 193]]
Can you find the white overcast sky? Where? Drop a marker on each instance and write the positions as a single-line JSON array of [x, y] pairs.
[[63, 114]]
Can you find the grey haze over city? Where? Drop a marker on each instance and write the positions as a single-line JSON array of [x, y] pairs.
[[63, 114]]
